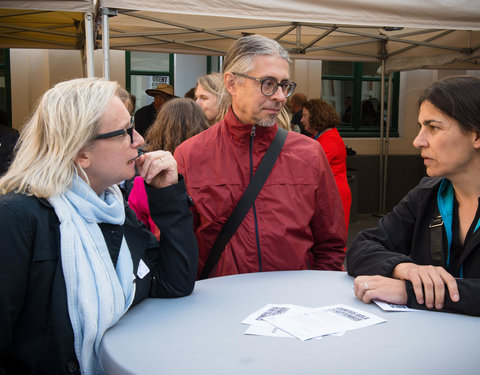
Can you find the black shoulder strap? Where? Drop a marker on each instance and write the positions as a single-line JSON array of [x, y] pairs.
[[245, 202], [436, 239]]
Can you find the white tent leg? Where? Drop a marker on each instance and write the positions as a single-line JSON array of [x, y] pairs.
[[381, 202], [89, 44], [106, 46], [387, 140], [106, 13]]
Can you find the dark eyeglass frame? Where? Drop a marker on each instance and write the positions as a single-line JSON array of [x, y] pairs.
[[284, 84], [119, 132]]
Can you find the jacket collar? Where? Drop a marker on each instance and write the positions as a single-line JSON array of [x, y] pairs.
[[241, 132], [445, 198]]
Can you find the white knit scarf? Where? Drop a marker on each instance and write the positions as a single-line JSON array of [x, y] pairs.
[[97, 294]]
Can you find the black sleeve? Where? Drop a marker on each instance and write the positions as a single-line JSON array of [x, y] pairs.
[[176, 258], [469, 303], [15, 255], [377, 251]]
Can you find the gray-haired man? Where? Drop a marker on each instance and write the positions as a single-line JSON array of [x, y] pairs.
[[297, 219]]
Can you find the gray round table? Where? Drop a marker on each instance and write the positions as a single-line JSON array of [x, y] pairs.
[[202, 333]]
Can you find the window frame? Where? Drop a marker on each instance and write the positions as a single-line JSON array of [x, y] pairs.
[[355, 130], [129, 72], [8, 83]]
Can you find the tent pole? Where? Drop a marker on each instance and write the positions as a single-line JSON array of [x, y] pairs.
[[106, 45], [106, 13], [382, 105], [387, 140], [89, 44]]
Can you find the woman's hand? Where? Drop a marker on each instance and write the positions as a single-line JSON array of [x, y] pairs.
[[158, 168], [430, 279], [367, 288]]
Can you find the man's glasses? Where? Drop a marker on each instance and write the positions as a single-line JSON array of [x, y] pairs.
[[269, 86], [119, 132]]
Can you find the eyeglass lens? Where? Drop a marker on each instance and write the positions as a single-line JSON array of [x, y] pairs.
[[269, 86]]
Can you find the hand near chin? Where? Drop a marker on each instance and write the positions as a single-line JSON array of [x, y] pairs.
[[368, 288], [158, 168]]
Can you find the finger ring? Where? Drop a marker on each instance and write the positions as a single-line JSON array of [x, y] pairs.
[[366, 286]]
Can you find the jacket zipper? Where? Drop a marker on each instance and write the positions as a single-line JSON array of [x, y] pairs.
[[257, 235]]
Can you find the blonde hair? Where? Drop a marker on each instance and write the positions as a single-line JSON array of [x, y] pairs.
[[284, 118], [64, 122], [213, 83]]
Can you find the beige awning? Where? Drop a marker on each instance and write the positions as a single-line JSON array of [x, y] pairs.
[[366, 30], [44, 24]]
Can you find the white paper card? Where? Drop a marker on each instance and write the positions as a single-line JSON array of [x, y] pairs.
[[323, 321], [385, 306], [143, 270]]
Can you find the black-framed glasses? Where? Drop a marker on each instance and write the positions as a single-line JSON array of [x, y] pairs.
[[268, 86], [119, 132]]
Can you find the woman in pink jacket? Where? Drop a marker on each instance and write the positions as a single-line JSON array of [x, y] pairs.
[[321, 119]]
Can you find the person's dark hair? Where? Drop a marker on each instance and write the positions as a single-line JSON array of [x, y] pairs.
[[178, 120], [457, 97], [190, 93], [322, 115]]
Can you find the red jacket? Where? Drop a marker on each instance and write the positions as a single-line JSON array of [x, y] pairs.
[[298, 221], [336, 153]]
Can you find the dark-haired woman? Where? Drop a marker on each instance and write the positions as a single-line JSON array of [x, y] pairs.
[[426, 253]]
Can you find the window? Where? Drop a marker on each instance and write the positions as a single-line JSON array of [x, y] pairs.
[[354, 89], [5, 97], [214, 64], [146, 70]]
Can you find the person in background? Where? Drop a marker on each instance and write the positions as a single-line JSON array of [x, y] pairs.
[[190, 94], [177, 121], [296, 104], [74, 258], [8, 140], [146, 115], [127, 100], [347, 113], [208, 95], [133, 104], [296, 221], [284, 118], [426, 252], [370, 116], [320, 119]]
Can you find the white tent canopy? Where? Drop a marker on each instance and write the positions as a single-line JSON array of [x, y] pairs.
[[406, 34], [442, 32]]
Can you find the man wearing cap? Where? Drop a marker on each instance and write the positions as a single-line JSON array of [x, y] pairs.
[[296, 222], [146, 115]]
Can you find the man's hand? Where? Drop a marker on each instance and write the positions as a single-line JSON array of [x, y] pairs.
[[367, 288], [430, 279], [158, 168]]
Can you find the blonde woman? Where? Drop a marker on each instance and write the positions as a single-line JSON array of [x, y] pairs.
[[74, 258], [284, 118], [209, 94]]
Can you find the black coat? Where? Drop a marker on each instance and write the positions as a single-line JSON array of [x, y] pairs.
[[36, 336], [404, 236], [8, 140], [144, 118]]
